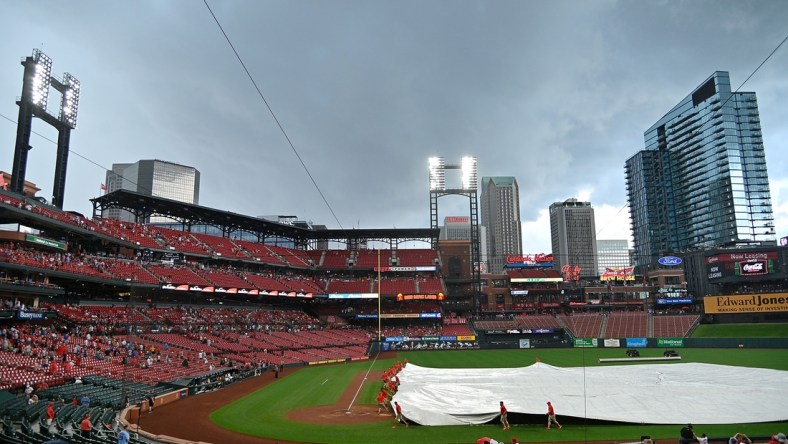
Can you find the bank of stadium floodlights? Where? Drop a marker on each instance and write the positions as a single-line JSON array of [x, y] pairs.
[[468, 187], [36, 84]]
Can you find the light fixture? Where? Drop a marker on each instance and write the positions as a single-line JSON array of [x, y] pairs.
[[469, 180], [41, 79], [437, 173], [69, 103]]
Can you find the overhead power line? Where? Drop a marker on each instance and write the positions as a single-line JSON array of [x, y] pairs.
[[270, 110]]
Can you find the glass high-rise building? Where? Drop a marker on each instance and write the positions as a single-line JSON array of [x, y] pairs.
[[612, 253], [500, 203], [156, 178], [701, 180], [573, 236]]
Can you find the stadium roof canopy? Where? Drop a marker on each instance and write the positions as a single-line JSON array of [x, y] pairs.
[[142, 206]]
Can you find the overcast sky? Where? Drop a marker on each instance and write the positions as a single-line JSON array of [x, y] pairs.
[[555, 93]]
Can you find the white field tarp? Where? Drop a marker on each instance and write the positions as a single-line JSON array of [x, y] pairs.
[[647, 393]]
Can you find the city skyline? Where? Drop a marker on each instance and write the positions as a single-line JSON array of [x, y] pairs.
[[556, 94]]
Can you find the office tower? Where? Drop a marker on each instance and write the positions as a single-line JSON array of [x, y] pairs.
[[501, 215], [701, 180], [613, 254], [156, 178], [573, 236]]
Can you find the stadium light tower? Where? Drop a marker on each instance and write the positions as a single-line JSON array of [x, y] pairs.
[[469, 188], [33, 103]]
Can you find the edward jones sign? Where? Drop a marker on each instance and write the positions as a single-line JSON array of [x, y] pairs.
[[746, 303]]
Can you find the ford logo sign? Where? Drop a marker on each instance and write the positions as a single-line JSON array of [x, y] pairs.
[[669, 260]]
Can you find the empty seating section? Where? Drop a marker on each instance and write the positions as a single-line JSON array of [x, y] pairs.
[[333, 259], [369, 258], [457, 330], [264, 282], [301, 258], [411, 330], [60, 261], [182, 241], [138, 234], [538, 321], [429, 285], [396, 286], [416, 257], [314, 257], [350, 286], [223, 247], [583, 325], [302, 284], [501, 324], [102, 314], [224, 278], [131, 271], [626, 324], [673, 326], [296, 258], [260, 252], [17, 370], [177, 275]]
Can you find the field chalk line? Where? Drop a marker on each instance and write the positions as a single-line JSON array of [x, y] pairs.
[[352, 401]]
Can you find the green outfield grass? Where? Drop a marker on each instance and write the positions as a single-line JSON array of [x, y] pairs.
[[264, 412], [741, 331]]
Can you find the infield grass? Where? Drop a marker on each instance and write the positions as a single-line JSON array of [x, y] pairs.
[[264, 412]]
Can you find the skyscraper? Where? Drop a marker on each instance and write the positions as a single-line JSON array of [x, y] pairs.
[[153, 178], [573, 236], [701, 180], [612, 253], [501, 215]]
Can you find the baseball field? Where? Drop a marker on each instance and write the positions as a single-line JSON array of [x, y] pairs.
[[336, 403]]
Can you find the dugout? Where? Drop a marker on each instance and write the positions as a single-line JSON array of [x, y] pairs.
[[523, 338]]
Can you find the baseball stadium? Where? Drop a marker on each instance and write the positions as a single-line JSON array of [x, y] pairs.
[[171, 322], [183, 336]]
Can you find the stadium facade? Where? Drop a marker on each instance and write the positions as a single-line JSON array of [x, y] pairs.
[[501, 215], [701, 180], [458, 228]]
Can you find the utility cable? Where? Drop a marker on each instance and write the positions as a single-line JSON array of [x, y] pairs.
[[271, 111]]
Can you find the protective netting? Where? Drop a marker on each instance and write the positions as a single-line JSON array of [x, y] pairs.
[[672, 393]]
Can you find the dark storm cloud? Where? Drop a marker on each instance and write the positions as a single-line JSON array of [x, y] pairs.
[[557, 94]]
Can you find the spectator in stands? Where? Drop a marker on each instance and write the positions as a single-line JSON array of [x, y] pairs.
[[778, 439], [85, 427], [85, 400], [687, 435], [739, 438], [151, 401], [123, 435], [50, 413]]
